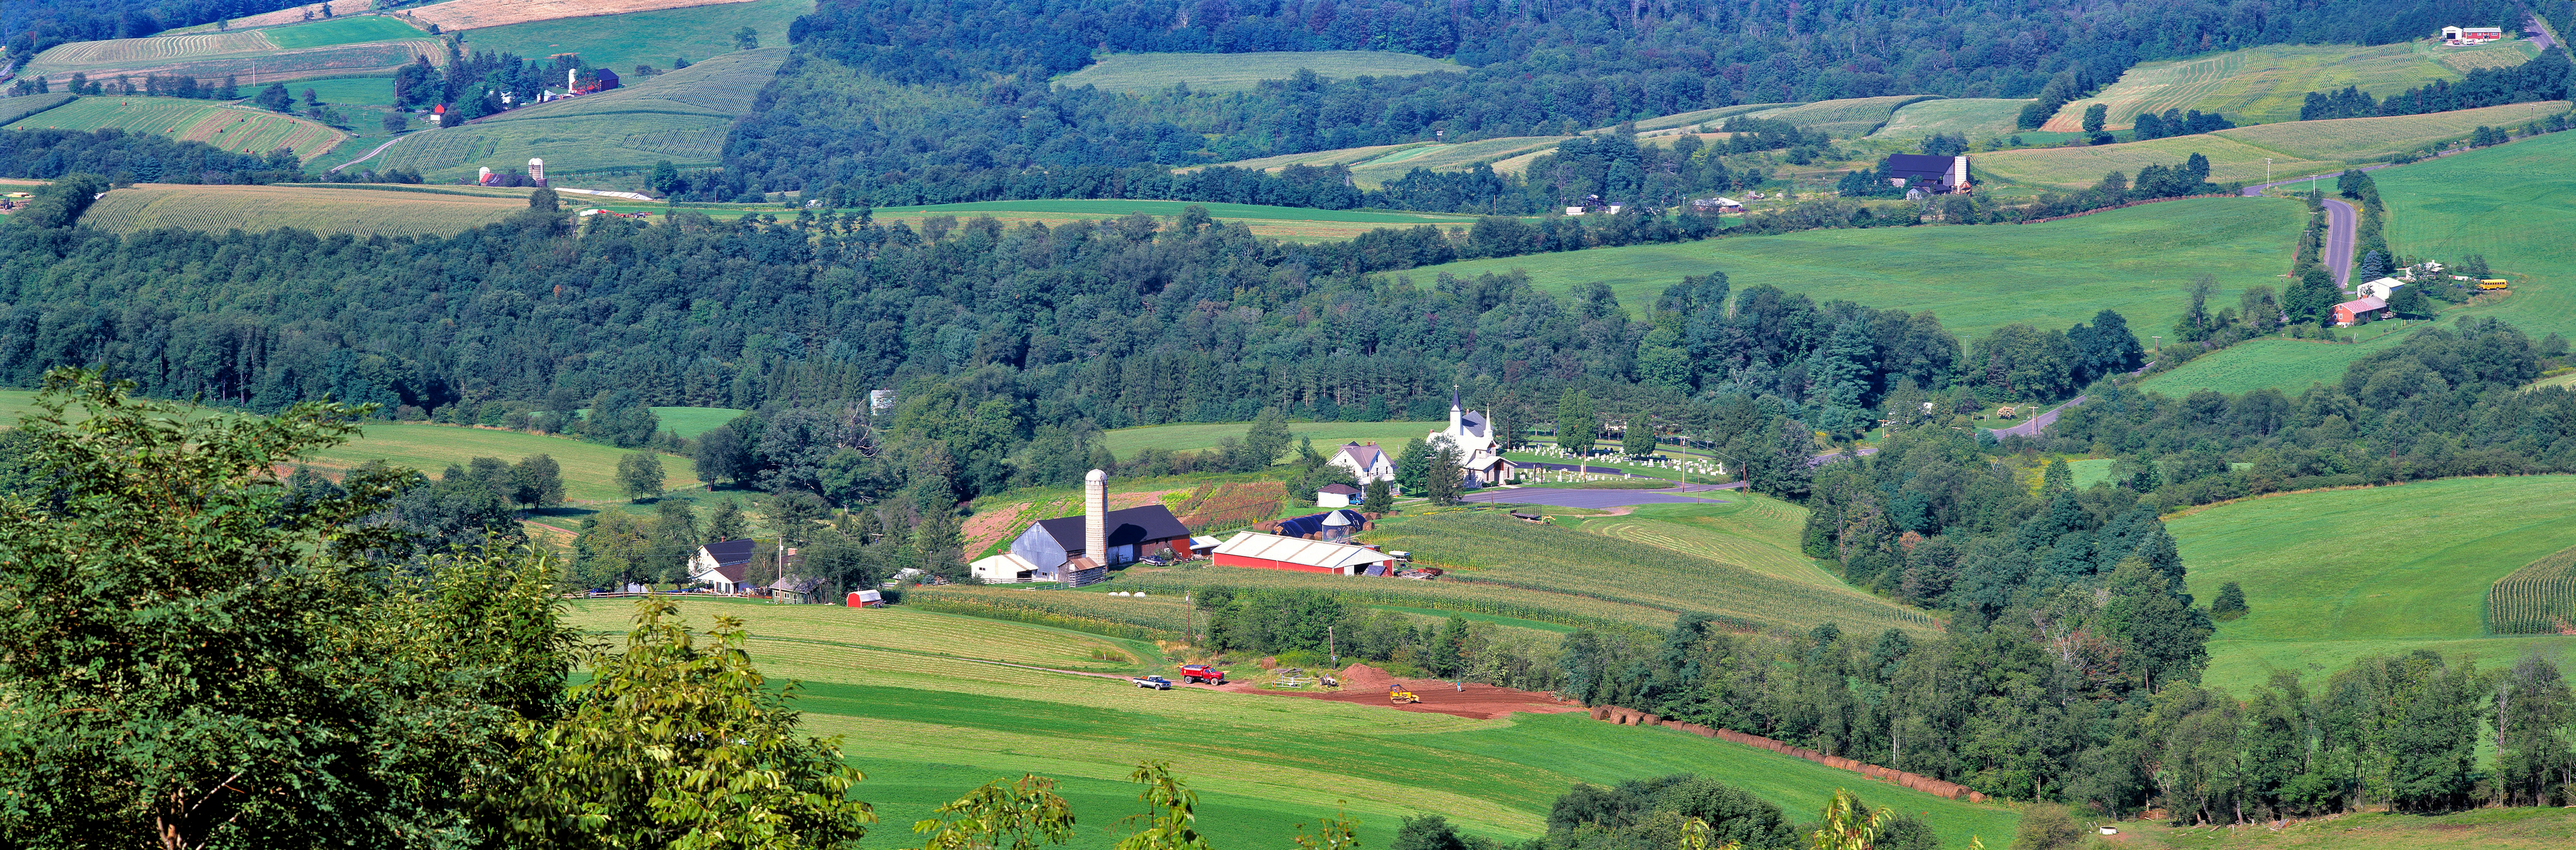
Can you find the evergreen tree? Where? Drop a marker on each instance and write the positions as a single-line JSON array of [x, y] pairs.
[[1413, 467], [1576, 429], [2230, 603], [728, 522], [1443, 478], [2312, 299], [1380, 499], [1842, 371], [1638, 438]]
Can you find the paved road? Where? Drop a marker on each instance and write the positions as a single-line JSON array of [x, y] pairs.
[[2341, 220], [2539, 35], [2037, 423]]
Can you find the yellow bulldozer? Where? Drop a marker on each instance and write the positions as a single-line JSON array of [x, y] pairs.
[[1400, 696]]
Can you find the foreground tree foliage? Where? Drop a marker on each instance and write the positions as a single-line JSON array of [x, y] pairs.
[[197, 654]]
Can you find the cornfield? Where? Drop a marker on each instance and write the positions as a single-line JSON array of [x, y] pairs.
[[2537, 599], [1232, 506], [1100, 614]]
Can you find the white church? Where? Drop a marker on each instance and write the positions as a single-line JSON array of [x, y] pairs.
[[1479, 449]]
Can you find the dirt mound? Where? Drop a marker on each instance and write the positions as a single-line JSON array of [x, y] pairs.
[[1481, 702], [1361, 677]]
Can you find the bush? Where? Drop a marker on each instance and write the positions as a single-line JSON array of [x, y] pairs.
[[2047, 826]]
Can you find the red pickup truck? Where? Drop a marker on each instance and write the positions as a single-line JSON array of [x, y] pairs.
[[1196, 673]]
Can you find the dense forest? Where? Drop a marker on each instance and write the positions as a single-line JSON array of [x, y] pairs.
[[983, 123]]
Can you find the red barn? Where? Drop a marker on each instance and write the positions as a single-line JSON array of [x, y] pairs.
[[1273, 552], [2350, 313]]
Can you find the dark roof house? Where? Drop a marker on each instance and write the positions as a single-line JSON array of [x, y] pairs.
[[1938, 173]]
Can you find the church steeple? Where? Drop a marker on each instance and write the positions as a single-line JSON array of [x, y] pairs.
[[1454, 410]]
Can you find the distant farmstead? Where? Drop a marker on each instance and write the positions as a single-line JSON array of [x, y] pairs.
[[2350, 313], [1936, 174], [1079, 550], [2471, 35]]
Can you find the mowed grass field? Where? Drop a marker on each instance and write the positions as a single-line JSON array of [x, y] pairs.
[[1125, 442], [1847, 118], [589, 469], [356, 91], [239, 129], [926, 729], [1375, 171], [1977, 117], [1296, 223], [12, 109], [2296, 148], [213, 56], [1139, 73], [354, 29], [2288, 365], [2453, 206], [2268, 84], [680, 116], [689, 422], [2333, 575], [325, 211], [1752, 531], [621, 42], [1975, 278]]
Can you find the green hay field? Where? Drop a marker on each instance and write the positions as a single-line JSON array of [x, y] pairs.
[[1125, 442], [689, 422], [1975, 278], [213, 56], [356, 91], [1296, 223], [2297, 148], [337, 31], [926, 729], [2268, 84], [234, 128], [325, 211], [15, 108], [1977, 117], [1138, 73], [1752, 531], [681, 116], [1703, 116], [620, 42], [2337, 574], [1847, 118], [1374, 172], [2288, 365]]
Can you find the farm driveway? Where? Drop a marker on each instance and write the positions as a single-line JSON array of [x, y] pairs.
[[2037, 423]]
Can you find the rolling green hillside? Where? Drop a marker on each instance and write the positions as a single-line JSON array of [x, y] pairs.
[[1975, 278], [1976, 117], [2296, 148], [324, 210], [355, 29], [2517, 224], [1222, 72], [239, 129], [2268, 84], [2328, 579], [245, 54], [1847, 118], [927, 728], [681, 116], [621, 42]]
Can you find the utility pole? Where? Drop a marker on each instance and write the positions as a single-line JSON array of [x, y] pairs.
[[1329, 647], [2267, 173]]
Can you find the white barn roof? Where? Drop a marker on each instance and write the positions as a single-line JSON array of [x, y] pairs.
[[1312, 553]]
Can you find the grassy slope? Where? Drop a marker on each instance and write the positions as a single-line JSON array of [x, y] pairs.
[[1846, 118], [692, 421], [1124, 442], [14, 108], [2296, 148], [233, 128], [324, 211], [2268, 84], [357, 91], [212, 57], [2442, 209], [1225, 72], [2337, 574], [338, 31], [1974, 278], [1297, 223], [1752, 531], [1978, 117], [1375, 171], [620, 42], [589, 469], [681, 116], [926, 730]]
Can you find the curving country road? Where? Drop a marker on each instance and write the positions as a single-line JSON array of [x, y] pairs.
[[2341, 221], [370, 154]]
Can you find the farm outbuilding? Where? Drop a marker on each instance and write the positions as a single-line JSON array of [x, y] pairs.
[[1336, 495], [1938, 174], [2350, 313], [1274, 552], [1327, 526]]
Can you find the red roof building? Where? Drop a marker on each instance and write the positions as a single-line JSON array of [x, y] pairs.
[[2350, 313]]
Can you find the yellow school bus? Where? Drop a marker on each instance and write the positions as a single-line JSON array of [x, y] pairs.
[[2492, 283]]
